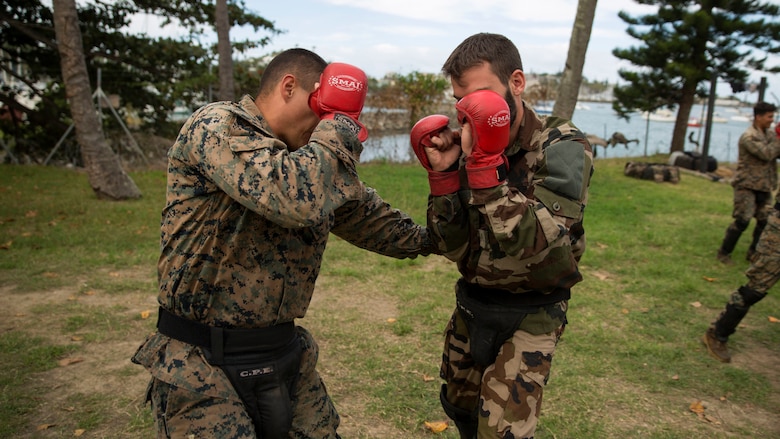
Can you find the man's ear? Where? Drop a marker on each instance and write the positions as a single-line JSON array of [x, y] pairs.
[[517, 82], [287, 86]]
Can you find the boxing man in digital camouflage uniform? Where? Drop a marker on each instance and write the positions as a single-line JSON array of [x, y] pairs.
[[509, 213], [763, 273], [254, 189], [755, 181]]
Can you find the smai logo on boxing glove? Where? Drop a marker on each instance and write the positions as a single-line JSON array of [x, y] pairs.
[[346, 83], [499, 119]]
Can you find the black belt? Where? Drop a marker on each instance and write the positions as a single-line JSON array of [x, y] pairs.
[[497, 296], [221, 341]]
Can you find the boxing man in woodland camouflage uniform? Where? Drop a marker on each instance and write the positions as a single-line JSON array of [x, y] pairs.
[[254, 189], [755, 181], [509, 212], [763, 273]]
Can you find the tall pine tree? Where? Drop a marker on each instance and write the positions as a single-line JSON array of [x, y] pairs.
[[687, 43]]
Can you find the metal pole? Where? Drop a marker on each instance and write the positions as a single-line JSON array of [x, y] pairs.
[[705, 151]]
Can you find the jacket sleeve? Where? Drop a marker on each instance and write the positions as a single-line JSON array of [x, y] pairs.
[[372, 224], [293, 189], [763, 148]]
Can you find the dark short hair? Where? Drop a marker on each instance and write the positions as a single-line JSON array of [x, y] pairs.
[[304, 64], [763, 108], [495, 49]]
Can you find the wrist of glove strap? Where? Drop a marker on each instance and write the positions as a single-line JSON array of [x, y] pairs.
[[484, 176], [354, 126], [444, 182]]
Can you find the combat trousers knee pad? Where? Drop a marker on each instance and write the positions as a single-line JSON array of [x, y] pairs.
[[733, 232], [466, 421], [736, 310]]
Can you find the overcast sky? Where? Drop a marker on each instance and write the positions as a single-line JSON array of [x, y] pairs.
[[402, 36]]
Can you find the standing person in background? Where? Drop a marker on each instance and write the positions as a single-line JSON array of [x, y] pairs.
[[510, 214], [754, 182], [763, 273], [255, 188]]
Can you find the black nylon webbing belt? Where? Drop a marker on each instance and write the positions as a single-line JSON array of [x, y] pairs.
[[224, 340]]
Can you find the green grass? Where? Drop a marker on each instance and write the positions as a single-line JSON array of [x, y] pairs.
[[77, 275]]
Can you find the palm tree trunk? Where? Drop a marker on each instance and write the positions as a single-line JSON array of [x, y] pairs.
[[226, 82], [104, 171], [571, 80]]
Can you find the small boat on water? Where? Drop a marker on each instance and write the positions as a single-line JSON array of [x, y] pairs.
[[697, 122], [660, 115]]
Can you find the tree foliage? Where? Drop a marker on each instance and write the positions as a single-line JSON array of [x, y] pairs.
[[148, 73], [420, 94], [685, 44]]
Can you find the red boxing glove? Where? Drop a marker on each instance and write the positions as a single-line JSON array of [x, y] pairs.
[[341, 95], [488, 115], [777, 129], [441, 182]]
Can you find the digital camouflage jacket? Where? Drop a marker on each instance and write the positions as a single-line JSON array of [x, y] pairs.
[[245, 225], [757, 164], [526, 235]]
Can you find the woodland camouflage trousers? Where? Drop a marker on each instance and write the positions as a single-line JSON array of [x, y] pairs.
[[506, 396]]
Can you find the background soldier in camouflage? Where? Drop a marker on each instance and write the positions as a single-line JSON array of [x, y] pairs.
[[254, 189], [755, 180], [762, 275], [510, 215]]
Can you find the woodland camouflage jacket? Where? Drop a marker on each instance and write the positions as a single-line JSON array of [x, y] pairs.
[[525, 235]]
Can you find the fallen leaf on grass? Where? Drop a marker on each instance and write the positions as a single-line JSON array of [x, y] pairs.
[[391, 320], [79, 432], [436, 427], [624, 311], [68, 361], [774, 319], [600, 275], [675, 377], [49, 274], [6, 246], [696, 304], [709, 279], [76, 338], [44, 427], [427, 378], [145, 314], [697, 407]]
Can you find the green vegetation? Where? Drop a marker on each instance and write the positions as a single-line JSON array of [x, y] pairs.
[[77, 279]]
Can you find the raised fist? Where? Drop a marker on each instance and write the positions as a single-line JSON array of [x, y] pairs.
[[487, 115], [341, 95], [441, 182]]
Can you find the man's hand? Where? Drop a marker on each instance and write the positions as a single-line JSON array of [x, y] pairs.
[[435, 146], [484, 115], [341, 95]]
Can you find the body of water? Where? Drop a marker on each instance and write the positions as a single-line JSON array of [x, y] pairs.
[[599, 119]]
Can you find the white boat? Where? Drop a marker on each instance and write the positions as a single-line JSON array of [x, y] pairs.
[[741, 117], [660, 115], [696, 122]]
